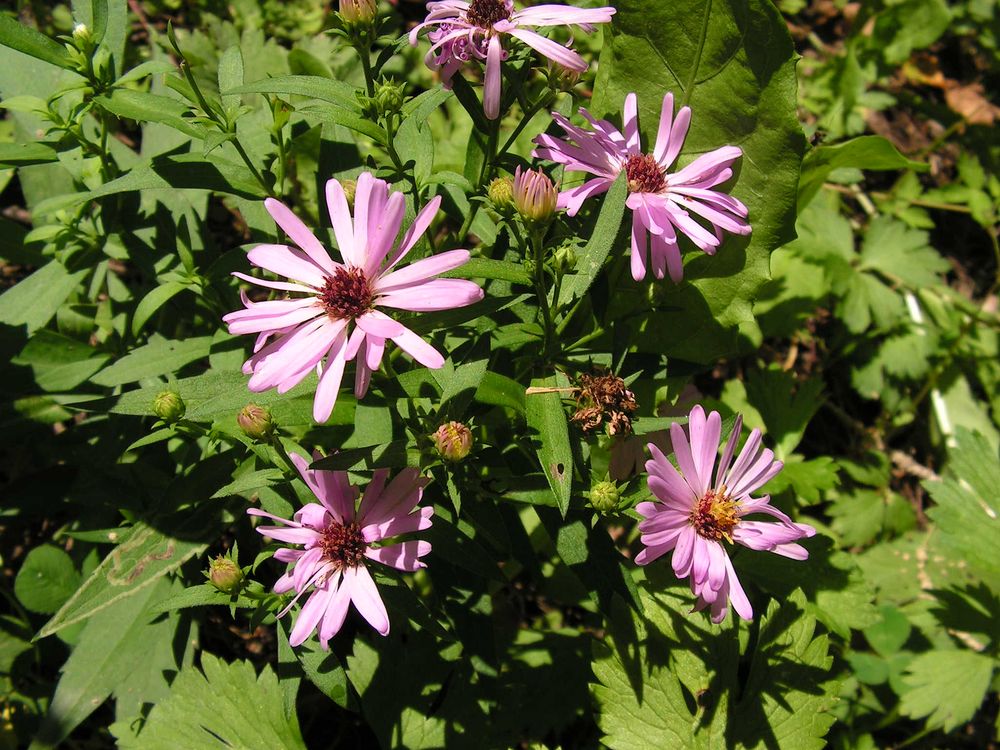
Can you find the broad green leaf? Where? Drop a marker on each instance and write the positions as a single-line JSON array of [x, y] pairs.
[[946, 686], [314, 87], [898, 252], [220, 705], [142, 558], [785, 415], [546, 417], [159, 357], [325, 671], [671, 691], [967, 509], [865, 152], [33, 301], [231, 77], [115, 643], [47, 578], [909, 25], [24, 39], [591, 258], [733, 63], [888, 636]]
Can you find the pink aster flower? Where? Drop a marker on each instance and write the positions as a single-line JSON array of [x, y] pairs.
[[694, 516], [662, 202], [336, 540], [474, 30], [314, 331]]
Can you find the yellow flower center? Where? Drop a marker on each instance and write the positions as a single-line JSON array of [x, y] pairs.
[[716, 515]]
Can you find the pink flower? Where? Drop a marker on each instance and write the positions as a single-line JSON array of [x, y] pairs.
[[314, 330], [336, 539], [692, 516], [474, 30], [662, 202]]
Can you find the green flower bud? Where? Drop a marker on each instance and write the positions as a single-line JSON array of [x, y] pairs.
[[389, 97], [169, 406], [534, 195], [256, 422], [357, 12], [82, 35], [453, 441], [224, 573], [501, 193], [604, 496], [564, 259]]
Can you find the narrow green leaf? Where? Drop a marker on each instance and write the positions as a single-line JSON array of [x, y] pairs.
[[23, 154], [499, 390], [34, 300], [230, 77], [153, 302], [486, 268], [24, 39], [592, 257], [546, 415], [159, 357], [145, 107], [314, 87], [391, 455]]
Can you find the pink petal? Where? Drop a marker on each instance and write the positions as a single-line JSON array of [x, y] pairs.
[[288, 262], [340, 217], [379, 324], [439, 294], [552, 50], [639, 249], [404, 556], [299, 233], [421, 270], [419, 349], [704, 442], [491, 90], [330, 379], [309, 616], [416, 230], [382, 231], [336, 611], [630, 117], [366, 598]]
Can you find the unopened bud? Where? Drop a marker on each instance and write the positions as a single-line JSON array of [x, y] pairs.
[[501, 193], [357, 11], [389, 97], [564, 259], [534, 195], [224, 573], [169, 406], [256, 422], [453, 441], [82, 35], [604, 496]]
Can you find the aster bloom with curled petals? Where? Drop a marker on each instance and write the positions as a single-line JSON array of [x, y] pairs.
[[662, 202], [336, 541], [296, 335], [694, 516], [473, 31]]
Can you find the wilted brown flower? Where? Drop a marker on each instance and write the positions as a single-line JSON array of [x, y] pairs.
[[604, 399]]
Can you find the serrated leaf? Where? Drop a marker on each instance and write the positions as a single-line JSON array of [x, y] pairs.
[[734, 64], [225, 705], [898, 251], [47, 578], [946, 687], [967, 510]]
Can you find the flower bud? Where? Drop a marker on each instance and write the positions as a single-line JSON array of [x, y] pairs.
[[82, 35], [256, 422], [388, 98], [534, 195], [453, 441], [357, 11], [169, 406], [564, 259], [224, 573], [501, 193], [604, 496]]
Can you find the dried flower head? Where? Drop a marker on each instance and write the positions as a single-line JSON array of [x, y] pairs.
[[604, 399]]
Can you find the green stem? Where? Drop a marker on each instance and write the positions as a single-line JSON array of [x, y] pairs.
[[366, 67], [543, 101], [538, 250]]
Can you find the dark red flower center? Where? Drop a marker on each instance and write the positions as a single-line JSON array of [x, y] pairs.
[[644, 174], [347, 294], [342, 545], [485, 13], [715, 516]]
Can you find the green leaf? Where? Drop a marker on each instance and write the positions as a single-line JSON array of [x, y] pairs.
[[396, 454], [900, 252], [221, 705], [153, 302], [24, 39], [946, 686], [204, 594], [23, 154], [325, 671], [689, 696], [143, 557], [866, 152], [59, 362], [785, 405], [545, 415], [499, 390], [33, 301], [144, 107], [733, 63], [47, 578], [888, 636], [230, 78], [314, 87], [159, 357], [591, 258], [114, 645], [966, 501], [486, 268]]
